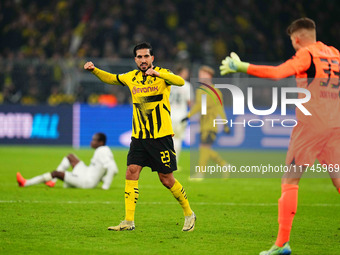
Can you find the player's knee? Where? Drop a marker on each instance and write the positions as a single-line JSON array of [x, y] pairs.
[[132, 169], [132, 172], [71, 157], [167, 180], [166, 183]]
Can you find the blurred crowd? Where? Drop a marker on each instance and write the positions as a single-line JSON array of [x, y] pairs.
[[186, 31]]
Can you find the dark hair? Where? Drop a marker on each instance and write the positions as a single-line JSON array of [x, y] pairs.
[[303, 23], [143, 45], [101, 138]]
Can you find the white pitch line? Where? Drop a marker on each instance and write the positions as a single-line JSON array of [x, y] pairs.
[[158, 203]]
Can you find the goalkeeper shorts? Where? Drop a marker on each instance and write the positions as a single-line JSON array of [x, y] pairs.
[[308, 144]]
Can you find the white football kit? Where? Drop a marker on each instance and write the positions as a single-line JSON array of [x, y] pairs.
[[179, 98], [102, 168]]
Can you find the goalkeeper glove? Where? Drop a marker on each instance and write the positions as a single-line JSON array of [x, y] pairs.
[[233, 64], [226, 130]]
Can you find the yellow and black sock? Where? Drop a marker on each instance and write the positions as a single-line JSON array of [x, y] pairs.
[[179, 193], [131, 197]]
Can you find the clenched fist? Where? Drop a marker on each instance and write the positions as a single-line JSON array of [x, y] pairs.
[[152, 72], [89, 66]]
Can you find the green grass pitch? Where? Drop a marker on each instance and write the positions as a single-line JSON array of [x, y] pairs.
[[234, 216]]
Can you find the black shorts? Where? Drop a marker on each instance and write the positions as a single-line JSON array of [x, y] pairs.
[[208, 137], [158, 154]]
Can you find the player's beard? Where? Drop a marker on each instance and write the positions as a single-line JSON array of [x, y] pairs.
[[149, 66]]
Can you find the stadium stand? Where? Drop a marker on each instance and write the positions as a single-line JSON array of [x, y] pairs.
[[41, 40]]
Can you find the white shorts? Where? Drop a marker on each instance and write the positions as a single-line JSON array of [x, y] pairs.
[[78, 178]]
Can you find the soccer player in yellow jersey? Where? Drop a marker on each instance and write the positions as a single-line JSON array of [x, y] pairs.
[[151, 141], [214, 109]]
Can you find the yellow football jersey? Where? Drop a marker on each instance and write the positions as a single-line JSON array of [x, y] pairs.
[[150, 98]]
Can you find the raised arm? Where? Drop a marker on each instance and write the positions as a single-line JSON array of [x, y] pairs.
[[273, 72], [170, 78], [299, 63], [106, 77]]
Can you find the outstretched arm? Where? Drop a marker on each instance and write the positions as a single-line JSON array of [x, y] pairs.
[[106, 77], [299, 63], [274, 72]]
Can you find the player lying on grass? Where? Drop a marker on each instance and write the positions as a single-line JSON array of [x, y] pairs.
[[102, 168], [316, 68], [151, 141]]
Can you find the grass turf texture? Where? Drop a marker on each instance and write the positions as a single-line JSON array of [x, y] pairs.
[[234, 216]]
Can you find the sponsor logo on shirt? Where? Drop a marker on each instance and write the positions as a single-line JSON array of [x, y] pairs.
[[144, 89]]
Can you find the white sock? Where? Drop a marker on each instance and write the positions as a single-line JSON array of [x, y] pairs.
[[63, 166], [39, 179]]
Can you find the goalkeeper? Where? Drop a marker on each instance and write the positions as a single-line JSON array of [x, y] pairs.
[[316, 68]]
